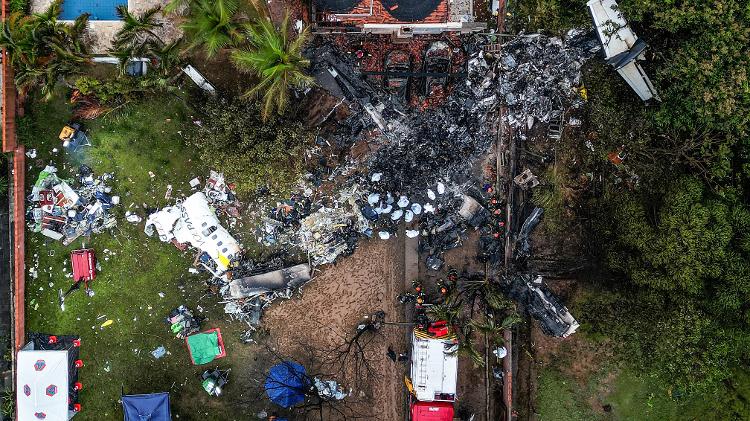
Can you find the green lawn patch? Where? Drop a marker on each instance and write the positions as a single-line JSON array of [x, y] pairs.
[[645, 398], [142, 145], [559, 398]]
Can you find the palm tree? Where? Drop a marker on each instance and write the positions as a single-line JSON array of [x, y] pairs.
[[494, 330], [168, 57], [449, 310], [276, 60], [137, 30], [137, 37], [487, 291], [213, 25], [43, 50]]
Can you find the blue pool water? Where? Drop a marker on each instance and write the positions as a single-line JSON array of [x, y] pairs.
[[98, 9]]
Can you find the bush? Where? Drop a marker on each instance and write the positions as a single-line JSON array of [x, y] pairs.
[[703, 73], [556, 16], [686, 253], [233, 138], [19, 6]]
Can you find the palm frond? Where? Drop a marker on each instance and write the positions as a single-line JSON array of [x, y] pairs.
[[275, 60]]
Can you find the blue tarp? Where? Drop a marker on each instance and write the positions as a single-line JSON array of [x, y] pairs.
[[286, 384], [152, 407]]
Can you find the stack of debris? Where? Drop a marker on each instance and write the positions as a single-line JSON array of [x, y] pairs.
[[492, 233], [329, 233], [448, 227], [63, 210], [182, 323], [246, 293], [194, 222], [531, 292], [220, 196], [536, 76], [323, 234]]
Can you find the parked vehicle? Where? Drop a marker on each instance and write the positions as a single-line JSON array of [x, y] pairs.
[[437, 61], [397, 66], [434, 373]]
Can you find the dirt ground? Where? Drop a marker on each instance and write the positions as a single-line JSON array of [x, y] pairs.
[[329, 310]]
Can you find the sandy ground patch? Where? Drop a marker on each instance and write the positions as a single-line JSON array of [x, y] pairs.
[[330, 308]]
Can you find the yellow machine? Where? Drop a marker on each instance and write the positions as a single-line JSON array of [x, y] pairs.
[[67, 133]]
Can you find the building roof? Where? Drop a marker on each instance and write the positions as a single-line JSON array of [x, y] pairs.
[[384, 11]]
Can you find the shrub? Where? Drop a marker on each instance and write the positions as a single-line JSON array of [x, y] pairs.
[[233, 138]]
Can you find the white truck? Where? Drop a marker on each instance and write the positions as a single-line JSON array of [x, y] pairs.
[[434, 373]]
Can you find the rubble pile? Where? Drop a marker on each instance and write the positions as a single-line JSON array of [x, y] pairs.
[[536, 76], [530, 291], [65, 210], [422, 148], [322, 230], [329, 233], [220, 196], [249, 287], [182, 323]]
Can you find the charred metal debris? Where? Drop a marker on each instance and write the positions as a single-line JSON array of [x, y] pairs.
[[424, 178]]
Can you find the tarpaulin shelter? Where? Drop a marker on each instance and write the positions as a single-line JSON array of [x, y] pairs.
[[206, 346], [47, 378], [150, 407], [286, 384]]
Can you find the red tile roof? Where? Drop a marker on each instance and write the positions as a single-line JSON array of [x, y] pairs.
[[380, 14]]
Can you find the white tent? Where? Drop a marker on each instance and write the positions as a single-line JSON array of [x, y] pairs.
[[42, 386]]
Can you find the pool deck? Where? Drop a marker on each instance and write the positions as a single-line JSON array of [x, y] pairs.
[[101, 32]]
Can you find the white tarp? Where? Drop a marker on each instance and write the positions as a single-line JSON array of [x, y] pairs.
[[434, 369], [193, 222], [42, 386]]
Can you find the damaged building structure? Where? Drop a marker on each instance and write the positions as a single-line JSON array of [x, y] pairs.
[[399, 18]]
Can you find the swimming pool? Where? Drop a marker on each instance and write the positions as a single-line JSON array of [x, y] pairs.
[[99, 9]]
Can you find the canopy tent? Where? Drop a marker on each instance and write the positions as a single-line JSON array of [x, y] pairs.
[[46, 379], [286, 384], [151, 407], [206, 346]]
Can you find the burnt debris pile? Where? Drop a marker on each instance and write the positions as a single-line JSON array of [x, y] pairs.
[[535, 76]]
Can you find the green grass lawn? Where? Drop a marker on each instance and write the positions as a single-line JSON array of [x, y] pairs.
[[560, 398], [131, 142], [633, 397], [644, 398]]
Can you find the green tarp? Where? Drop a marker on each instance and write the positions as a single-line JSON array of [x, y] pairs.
[[204, 347]]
